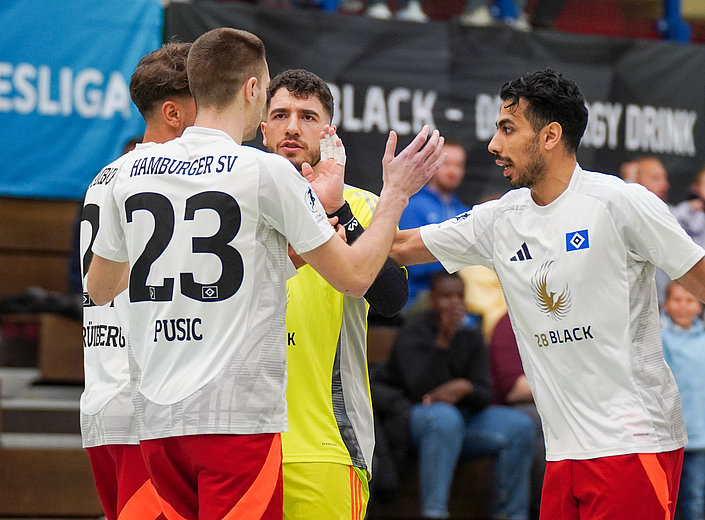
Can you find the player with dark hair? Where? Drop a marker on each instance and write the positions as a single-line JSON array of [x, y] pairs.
[[575, 252], [201, 224], [331, 435], [159, 87]]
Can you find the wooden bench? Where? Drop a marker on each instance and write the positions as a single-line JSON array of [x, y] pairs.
[[35, 244]]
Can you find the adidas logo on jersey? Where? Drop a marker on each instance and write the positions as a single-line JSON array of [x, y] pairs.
[[522, 254]]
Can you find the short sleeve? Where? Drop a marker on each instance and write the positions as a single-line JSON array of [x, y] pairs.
[[652, 233], [466, 239], [110, 240], [287, 201]]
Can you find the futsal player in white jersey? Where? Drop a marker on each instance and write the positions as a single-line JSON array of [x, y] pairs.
[[575, 252], [159, 88], [201, 224]]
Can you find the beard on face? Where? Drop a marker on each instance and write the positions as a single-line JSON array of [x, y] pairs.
[[313, 157], [534, 170]]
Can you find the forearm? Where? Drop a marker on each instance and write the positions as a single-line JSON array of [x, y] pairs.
[[106, 279], [371, 248], [408, 248], [388, 293], [352, 269]]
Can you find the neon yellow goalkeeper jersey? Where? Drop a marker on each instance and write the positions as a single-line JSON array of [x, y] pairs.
[[328, 391]]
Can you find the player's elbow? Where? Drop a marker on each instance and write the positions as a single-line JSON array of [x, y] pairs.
[[356, 286], [99, 295], [99, 292]]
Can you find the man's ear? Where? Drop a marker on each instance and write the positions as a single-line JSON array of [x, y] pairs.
[[250, 89], [172, 113], [551, 135], [263, 127]]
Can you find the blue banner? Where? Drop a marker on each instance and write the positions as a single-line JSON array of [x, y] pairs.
[[65, 108]]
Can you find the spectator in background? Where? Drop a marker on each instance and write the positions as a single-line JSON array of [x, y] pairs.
[[651, 173], [407, 10], [483, 13], [435, 203], [691, 213], [442, 367], [628, 171], [511, 388], [683, 336]]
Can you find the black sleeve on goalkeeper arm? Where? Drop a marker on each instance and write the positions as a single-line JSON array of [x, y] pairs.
[[388, 293]]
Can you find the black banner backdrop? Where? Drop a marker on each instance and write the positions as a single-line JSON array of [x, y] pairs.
[[644, 97]]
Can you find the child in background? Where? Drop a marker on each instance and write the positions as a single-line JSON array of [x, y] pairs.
[[683, 335]]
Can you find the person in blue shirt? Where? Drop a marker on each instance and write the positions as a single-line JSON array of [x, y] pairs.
[[436, 202], [683, 335]]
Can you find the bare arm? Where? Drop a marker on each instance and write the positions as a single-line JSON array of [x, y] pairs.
[[409, 249], [352, 269], [106, 279], [694, 280]]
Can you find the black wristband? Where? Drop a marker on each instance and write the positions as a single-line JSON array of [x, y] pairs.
[[344, 214], [352, 227]]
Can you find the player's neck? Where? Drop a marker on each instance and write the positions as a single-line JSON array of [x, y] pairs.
[[159, 134], [230, 120], [554, 181]]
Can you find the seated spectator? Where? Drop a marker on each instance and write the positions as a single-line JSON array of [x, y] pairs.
[[442, 368], [683, 335], [434, 203], [691, 213], [511, 388]]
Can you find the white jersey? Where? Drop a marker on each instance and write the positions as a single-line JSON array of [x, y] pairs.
[[578, 277], [107, 413], [204, 224]]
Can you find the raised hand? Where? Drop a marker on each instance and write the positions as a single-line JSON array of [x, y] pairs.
[[328, 179], [415, 164]]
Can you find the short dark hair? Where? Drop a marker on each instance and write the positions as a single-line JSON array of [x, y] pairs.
[[220, 62], [302, 84], [550, 97], [160, 75]]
